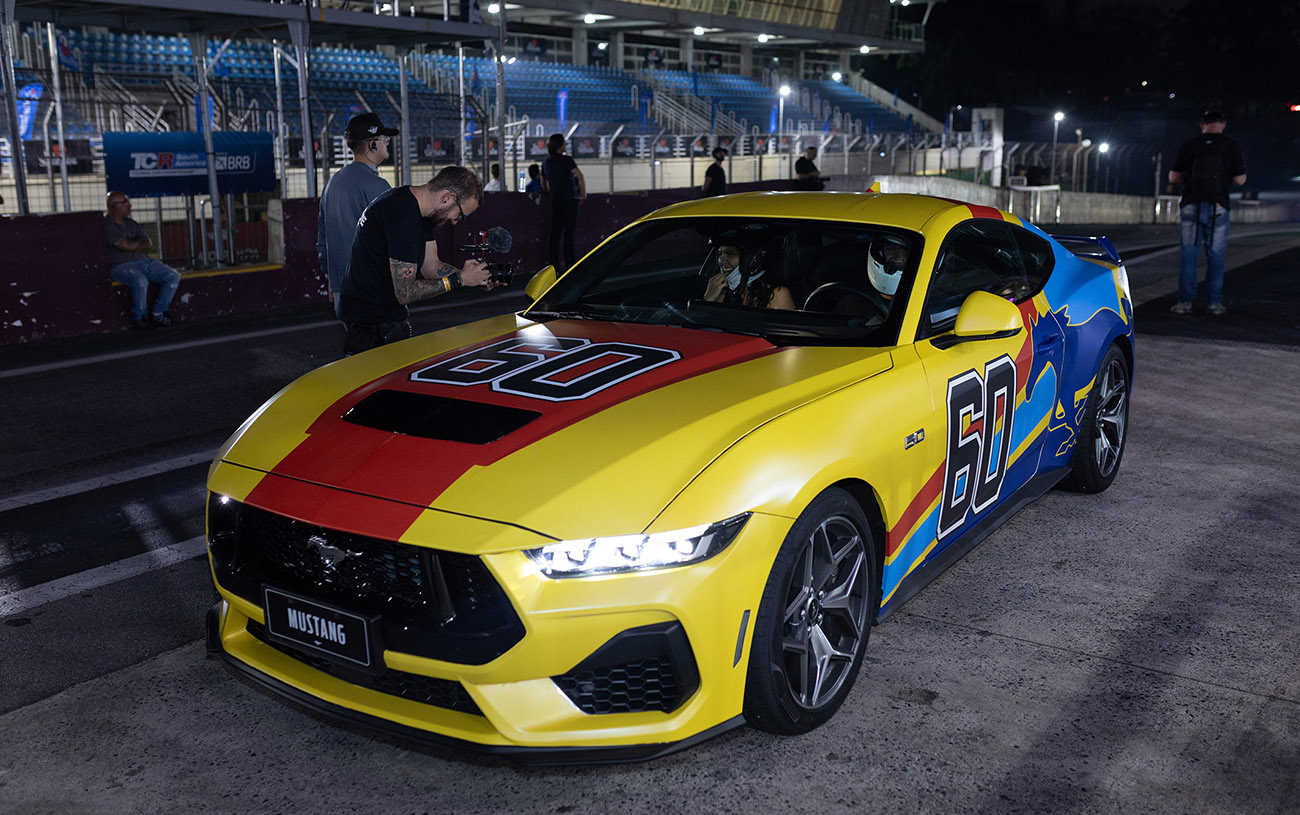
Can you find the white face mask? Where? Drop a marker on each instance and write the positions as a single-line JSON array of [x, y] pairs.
[[733, 279]]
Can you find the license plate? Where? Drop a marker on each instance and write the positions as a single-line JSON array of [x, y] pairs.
[[333, 632]]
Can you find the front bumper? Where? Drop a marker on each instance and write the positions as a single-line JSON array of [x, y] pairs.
[[540, 701]]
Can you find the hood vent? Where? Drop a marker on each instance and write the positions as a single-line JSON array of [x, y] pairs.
[[437, 417]]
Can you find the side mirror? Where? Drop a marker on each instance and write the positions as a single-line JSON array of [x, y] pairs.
[[540, 282], [983, 316]]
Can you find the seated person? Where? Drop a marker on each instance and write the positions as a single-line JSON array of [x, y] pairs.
[[845, 293], [130, 266], [885, 264], [734, 286]]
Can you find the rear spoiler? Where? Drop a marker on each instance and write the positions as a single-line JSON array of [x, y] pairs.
[[1099, 248]]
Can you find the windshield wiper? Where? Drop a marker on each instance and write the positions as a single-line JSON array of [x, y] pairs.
[[557, 315]]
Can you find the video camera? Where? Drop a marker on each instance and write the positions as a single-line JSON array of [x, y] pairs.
[[496, 239]]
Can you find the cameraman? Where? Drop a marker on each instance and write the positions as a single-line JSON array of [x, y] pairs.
[[395, 258]]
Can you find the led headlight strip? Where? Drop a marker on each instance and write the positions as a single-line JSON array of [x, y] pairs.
[[633, 553]]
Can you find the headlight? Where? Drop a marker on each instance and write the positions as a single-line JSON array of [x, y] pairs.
[[632, 553]]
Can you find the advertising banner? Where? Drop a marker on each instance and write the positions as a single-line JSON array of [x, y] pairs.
[[28, 98], [156, 164]]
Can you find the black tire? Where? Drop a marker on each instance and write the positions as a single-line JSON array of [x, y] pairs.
[[1103, 431], [814, 619]]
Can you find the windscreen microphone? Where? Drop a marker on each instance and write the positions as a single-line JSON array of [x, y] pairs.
[[499, 239]]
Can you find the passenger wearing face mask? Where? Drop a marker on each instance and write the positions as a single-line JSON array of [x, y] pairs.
[[733, 285]]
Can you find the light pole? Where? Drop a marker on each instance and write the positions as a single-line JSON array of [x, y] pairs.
[[1102, 150], [1056, 126], [780, 117]]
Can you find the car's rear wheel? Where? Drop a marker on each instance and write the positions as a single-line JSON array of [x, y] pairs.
[[814, 619], [1103, 430]]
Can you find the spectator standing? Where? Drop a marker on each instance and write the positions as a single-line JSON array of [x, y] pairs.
[[1207, 167], [715, 178], [129, 265], [534, 185], [806, 175], [562, 178], [395, 259], [495, 184], [346, 195]]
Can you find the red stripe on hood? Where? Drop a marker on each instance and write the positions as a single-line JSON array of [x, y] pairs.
[[416, 471]]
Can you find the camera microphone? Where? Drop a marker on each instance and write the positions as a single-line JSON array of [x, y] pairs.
[[499, 239]]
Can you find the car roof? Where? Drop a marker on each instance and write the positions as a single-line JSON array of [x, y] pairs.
[[903, 210]]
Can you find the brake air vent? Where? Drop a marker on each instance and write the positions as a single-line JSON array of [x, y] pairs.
[[437, 417]]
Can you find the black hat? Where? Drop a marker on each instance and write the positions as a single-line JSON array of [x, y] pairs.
[[366, 126], [1213, 115]]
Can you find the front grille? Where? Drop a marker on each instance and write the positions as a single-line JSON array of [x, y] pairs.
[[646, 668], [431, 603], [633, 687], [426, 690], [368, 570]]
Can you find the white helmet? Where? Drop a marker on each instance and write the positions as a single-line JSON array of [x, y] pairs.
[[885, 263]]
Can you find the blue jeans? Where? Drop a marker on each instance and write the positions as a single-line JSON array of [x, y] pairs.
[[138, 274], [1202, 224]]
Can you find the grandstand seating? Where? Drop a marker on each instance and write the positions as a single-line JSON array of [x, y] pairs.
[[876, 118], [744, 98], [600, 98]]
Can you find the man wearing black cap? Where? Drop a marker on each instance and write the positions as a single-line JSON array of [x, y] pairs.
[[1207, 167], [347, 194]]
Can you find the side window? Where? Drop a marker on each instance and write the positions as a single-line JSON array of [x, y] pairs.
[[976, 256], [1037, 257]]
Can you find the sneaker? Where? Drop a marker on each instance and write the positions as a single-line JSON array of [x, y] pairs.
[[1215, 309], [1182, 307], [141, 324], [160, 319]]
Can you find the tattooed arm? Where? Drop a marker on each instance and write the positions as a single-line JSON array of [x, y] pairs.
[[473, 273], [408, 287]]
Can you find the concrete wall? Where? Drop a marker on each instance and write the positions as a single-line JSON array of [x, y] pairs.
[[56, 283], [55, 267]]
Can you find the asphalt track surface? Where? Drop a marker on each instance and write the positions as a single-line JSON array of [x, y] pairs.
[[1128, 652]]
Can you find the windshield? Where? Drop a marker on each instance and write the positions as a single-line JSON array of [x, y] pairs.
[[790, 280]]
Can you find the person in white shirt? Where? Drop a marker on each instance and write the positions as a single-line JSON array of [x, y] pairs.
[[495, 184]]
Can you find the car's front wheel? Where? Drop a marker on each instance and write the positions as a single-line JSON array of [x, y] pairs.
[[814, 619], [1103, 430]]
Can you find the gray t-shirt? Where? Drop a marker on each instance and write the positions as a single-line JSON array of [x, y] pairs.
[[114, 232], [346, 196]]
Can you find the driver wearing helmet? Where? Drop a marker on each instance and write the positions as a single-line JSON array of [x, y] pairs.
[[886, 261], [734, 286]]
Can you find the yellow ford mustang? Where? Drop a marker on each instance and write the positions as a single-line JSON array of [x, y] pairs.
[[675, 494]]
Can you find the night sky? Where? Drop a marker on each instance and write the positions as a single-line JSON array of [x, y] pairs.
[[1090, 59]]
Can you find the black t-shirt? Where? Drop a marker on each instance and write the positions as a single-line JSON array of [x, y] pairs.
[[805, 165], [558, 170], [390, 227], [1208, 163], [718, 186]]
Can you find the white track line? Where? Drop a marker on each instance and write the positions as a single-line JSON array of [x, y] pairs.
[[29, 598], [157, 349], [144, 471]]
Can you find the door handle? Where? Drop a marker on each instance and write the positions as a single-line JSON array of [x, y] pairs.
[[1048, 343]]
